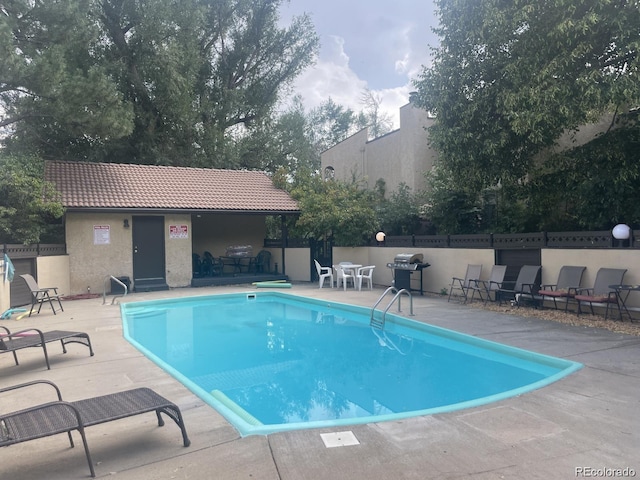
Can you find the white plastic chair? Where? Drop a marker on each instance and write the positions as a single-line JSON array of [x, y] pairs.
[[365, 273], [343, 276], [323, 273]]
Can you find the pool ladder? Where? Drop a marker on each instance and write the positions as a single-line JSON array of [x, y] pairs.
[[379, 322]]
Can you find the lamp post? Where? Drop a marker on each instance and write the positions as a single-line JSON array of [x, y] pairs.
[[622, 233], [380, 238]]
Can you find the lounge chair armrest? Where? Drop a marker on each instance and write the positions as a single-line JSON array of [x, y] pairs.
[[527, 288], [32, 383], [583, 291], [21, 333], [43, 290], [550, 286]]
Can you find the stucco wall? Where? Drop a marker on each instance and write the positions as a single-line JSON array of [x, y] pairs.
[[554, 259], [448, 263], [178, 251], [402, 156], [347, 158], [54, 272], [445, 263], [89, 263], [298, 266]]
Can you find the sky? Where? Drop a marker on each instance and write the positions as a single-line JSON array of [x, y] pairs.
[[376, 44]]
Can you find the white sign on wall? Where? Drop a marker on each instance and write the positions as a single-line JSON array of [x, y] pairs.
[[101, 234], [178, 231]]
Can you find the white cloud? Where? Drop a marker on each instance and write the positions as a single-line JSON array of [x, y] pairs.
[[377, 45], [332, 77]]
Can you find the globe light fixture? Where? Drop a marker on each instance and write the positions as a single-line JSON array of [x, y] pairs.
[[380, 237], [621, 232]]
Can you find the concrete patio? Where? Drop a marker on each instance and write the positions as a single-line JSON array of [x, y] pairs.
[[587, 424]]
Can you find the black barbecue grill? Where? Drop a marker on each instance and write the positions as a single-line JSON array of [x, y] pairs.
[[403, 266]]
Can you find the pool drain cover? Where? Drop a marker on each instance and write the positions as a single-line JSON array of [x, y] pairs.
[[339, 439]]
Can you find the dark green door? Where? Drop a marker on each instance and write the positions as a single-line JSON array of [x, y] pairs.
[[148, 253]]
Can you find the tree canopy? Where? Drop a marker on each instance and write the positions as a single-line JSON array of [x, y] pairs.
[[510, 77], [142, 81], [330, 209], [28, 205]]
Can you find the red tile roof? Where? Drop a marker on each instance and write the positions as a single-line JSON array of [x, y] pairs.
[[125, 186]]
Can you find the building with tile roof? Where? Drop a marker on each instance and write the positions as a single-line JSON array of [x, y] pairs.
[[115, 186], [143, 223]]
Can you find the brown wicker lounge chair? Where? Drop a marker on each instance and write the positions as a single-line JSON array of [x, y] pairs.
[[12, 342], [58, 416]]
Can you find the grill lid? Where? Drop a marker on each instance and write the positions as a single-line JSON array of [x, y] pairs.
[[408, 258]]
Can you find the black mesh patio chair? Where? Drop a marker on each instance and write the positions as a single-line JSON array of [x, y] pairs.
[[57, 416], [602, 294], [526, 286], [211, 265], [462, 284], [40, 295], [564, 289], [261, 263], [196, 265], [32, 337], [489, 286]]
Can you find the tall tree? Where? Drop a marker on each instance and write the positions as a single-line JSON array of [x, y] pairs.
[[329, 124], [28, 205], [510, 76], [146, 81], [372, 116]]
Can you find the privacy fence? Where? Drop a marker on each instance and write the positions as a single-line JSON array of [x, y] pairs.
[[601, 239]]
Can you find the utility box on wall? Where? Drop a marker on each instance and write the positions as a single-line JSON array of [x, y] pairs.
[[117, 289]]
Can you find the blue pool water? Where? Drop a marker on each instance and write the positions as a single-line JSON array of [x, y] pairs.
[[271, 361]]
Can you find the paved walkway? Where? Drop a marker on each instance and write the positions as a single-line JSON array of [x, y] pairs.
[[580, 425]]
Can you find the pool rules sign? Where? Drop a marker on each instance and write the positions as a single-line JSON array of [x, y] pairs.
[[178, 231]]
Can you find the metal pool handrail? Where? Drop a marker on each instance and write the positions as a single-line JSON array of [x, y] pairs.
[[104, 289], [380, 323]]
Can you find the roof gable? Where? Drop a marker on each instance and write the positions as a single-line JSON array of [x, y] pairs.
[[86, 185]]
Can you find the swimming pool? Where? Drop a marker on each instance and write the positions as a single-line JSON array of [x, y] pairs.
[[271, 361]]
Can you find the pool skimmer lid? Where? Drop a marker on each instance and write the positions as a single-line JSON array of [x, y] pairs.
[[339, 439]]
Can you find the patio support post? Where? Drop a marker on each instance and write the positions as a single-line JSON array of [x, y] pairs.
[[285, 239]]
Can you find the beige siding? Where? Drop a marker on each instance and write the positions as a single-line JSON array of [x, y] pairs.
[[402, 156]]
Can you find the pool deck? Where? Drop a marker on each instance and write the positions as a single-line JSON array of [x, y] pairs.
[[588, 420]]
